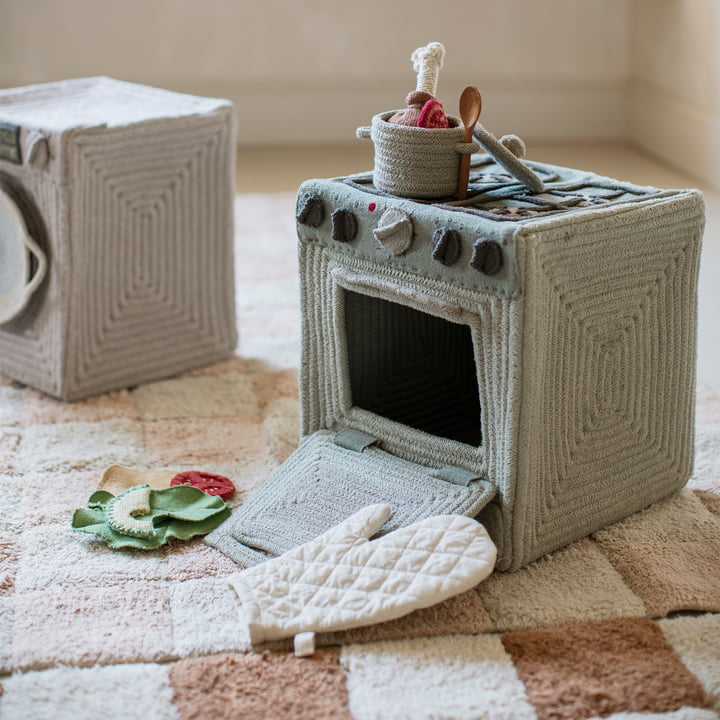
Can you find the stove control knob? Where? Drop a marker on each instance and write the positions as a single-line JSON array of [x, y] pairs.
[[446, 246], [344, 225], [487, 257], [394, 231], [310, 211]]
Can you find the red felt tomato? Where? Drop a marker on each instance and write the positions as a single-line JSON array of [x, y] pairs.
[[207, 482]]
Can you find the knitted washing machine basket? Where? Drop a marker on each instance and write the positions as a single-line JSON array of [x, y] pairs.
[[118, 215]]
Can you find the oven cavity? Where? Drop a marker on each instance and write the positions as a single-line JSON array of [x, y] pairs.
[[413, 368]]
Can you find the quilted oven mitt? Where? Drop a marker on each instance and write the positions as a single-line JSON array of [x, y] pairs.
[[342, 580], [142, 518]]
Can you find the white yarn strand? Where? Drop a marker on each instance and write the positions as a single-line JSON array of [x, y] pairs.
[[427, 62]]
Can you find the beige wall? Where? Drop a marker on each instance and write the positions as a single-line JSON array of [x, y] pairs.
[[674, 47], [675, 82], [313, 70]]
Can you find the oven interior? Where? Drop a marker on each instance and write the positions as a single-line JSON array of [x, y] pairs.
[[412, 367]]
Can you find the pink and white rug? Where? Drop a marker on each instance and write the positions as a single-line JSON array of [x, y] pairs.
[[623, 624]]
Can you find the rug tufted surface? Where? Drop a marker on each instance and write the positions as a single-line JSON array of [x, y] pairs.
[[623, 624]]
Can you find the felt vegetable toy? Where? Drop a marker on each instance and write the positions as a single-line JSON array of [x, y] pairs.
[[207, 482], [423, 110], [145, 519]]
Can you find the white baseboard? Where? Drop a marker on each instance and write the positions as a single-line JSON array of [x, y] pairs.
[[321, 114], [682, 134]]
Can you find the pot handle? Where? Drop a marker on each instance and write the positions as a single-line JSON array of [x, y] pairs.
[[363, 132], [467, 148], [507, 152]]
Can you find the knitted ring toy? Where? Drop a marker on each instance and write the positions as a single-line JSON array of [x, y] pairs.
[[207, 482]]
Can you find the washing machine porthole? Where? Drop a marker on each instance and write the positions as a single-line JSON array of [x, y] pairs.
[[23, 264]]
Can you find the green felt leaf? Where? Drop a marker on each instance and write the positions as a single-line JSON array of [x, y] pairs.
[[179, 512]]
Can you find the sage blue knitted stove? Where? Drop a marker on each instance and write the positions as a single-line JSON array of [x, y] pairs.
[[524, 357]]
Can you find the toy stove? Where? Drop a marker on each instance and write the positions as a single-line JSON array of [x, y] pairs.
[[526, 358], [116, 234]]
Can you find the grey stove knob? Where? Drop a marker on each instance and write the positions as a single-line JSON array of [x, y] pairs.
[[310, 211], [487, 257], [446, 246], [394, 231], [344, 225]]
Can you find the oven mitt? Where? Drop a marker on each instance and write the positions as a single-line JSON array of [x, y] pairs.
[[342, 580], [145, 519]]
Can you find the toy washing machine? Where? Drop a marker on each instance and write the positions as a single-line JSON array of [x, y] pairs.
[[116, 234], [523, 357]]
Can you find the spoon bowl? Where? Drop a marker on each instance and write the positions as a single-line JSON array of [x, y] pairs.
[[470, 106]]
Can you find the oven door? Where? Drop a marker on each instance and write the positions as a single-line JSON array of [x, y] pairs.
[[331, 475]]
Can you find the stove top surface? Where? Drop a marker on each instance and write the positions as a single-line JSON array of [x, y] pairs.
[[495, 194]]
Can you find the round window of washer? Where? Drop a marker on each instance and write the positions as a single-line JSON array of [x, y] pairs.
[[22, 263]]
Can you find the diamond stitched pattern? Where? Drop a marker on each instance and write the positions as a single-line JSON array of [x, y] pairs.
[[342, 580]]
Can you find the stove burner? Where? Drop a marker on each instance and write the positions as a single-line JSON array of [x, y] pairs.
[[496, 195]]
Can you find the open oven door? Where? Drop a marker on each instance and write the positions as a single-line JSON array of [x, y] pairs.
[[330, 476]]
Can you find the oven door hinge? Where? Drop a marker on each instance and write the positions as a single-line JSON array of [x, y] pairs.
[[358, 441], [352, 439]]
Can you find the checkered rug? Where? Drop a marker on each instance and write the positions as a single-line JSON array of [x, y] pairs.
[[623, 624]]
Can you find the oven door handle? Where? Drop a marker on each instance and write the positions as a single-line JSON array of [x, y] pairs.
[[386, 289]]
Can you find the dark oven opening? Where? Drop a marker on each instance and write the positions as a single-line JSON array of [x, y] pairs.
[[413, 368]]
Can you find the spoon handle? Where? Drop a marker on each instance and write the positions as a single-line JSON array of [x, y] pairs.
[[464, 171]]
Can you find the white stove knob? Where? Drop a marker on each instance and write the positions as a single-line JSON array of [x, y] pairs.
[[394, 231]]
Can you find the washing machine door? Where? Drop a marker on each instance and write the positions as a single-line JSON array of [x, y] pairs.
[[22, 263]]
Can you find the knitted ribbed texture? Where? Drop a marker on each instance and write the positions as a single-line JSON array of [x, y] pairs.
[[583, 341], [326, 396], [136, 201], [608, 378], [322, 484]]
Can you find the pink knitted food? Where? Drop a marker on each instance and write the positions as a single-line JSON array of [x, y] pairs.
[[432, 115], [207, 482]]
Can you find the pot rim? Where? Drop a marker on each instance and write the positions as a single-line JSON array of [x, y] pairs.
[[381, 119]]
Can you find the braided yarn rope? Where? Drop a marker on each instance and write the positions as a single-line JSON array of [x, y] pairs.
[[427, 62]]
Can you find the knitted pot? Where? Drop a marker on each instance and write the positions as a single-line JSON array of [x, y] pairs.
[[416, 162]]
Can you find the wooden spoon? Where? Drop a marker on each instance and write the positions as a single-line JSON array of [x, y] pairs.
[[470, 106]]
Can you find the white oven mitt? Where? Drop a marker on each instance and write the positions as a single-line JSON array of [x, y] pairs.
[[341, 580]]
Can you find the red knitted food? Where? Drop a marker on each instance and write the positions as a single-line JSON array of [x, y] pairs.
[[432, 115], [207, 482]]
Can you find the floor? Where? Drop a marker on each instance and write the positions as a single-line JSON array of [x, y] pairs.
[[266, 170]]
